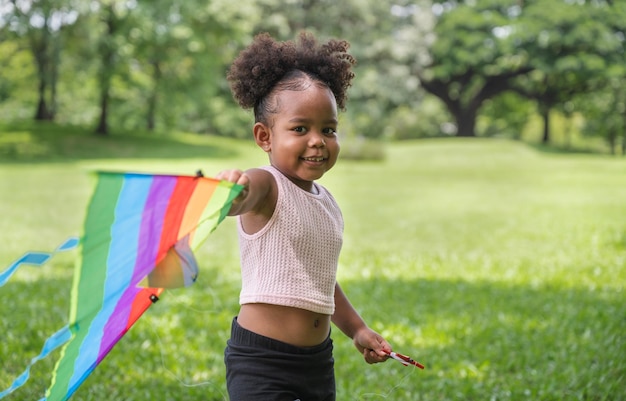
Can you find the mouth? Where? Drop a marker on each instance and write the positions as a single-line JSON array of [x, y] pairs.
[[314, 159]]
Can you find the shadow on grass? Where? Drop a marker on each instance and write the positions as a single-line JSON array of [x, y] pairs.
[[33, 142], [478, 340], [591, 150], [174, 351], [488, 340]]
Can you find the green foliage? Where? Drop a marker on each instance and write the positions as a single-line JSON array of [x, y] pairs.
[[16, 82], [430, 120], [476, 45], [497, 266], [162, 63], [505, 116], [608, 112]]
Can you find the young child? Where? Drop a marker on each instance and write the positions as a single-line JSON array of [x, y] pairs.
[[290, 228]]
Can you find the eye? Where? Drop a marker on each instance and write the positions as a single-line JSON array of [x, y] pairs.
[[329, 131], [300, 130]]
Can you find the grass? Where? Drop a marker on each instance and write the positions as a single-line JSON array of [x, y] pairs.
[[498, 266]]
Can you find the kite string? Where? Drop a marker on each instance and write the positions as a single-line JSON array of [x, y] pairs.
[[217, 303], [178, 378], [390, 391], [209, 382]]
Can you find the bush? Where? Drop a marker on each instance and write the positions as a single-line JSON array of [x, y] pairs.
[[428, 120], [361, 148]]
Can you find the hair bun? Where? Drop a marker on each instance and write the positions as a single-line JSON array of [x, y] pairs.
[[261, 65]]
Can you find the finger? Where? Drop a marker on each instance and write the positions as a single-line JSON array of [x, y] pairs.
[[223, 175], [229, 175], [371, 356], [243, 180], [380, 346], [380, 357], [367, 356], [385, 348], [234, 175]]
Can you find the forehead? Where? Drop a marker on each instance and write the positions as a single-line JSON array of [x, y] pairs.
[[312, 99]]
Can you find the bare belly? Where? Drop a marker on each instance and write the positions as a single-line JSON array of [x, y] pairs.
[[293, 326]]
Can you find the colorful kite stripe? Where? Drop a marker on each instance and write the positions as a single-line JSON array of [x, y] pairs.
[[132, 223], [139, 228]]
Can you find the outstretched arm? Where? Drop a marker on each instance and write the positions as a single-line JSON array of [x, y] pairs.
[[367, 341], [258, 195]]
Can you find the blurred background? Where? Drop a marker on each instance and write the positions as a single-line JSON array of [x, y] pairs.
[[549, 72]]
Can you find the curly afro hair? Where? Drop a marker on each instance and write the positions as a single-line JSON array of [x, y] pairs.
[[268, 66]]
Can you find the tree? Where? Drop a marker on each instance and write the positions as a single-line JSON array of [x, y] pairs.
[[218, 31], [548, 51], [41, 22], [113, 15], [15, 65], [570, 44], [605, 108], [153, 43], [605, 115], [472, 58], [179, 51]]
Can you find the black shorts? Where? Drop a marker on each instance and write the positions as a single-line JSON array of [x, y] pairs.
[[264, 369]]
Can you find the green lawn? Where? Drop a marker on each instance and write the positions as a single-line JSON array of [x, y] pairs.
[[499, 267]]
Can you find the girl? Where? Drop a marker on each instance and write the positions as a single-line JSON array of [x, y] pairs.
[[290, 228]]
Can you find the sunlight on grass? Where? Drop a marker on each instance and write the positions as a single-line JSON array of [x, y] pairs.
[[498, 267]]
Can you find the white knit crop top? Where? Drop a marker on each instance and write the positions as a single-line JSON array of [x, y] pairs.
[[292, 261]]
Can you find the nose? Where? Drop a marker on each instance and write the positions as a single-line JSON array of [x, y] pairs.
[[317, 140]]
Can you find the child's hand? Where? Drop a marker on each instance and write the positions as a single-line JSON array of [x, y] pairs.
[[237, 177], [373, 347]]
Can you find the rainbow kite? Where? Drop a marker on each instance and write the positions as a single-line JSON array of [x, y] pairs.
[[138, 238]]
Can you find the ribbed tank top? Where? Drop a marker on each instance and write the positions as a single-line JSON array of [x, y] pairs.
[[292, 260]]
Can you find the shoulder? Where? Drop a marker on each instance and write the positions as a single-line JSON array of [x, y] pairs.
[[262, 175]]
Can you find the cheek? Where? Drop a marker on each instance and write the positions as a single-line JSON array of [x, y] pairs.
[[334, 147]]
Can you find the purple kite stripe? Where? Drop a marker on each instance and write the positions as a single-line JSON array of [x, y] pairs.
[[147, 250]]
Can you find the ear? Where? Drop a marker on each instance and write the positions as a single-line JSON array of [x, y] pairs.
[[262, 136]]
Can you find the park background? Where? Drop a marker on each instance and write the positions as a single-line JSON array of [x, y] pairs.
[[481, 179]]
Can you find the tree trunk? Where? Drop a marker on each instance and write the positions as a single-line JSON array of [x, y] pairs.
[[153, 98], [612, 139], [42, 113], [545, 113], [106, 70], [151, 124], [54, 76], [466, 113], [41, 53], [103, 126], [466, 122]]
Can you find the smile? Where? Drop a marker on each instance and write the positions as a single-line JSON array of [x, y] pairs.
[[313, 159]]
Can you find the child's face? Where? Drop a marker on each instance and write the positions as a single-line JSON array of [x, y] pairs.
[[303, 134]]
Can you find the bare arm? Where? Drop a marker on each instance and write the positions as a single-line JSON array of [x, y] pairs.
[[259, 193], [347, 319]]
